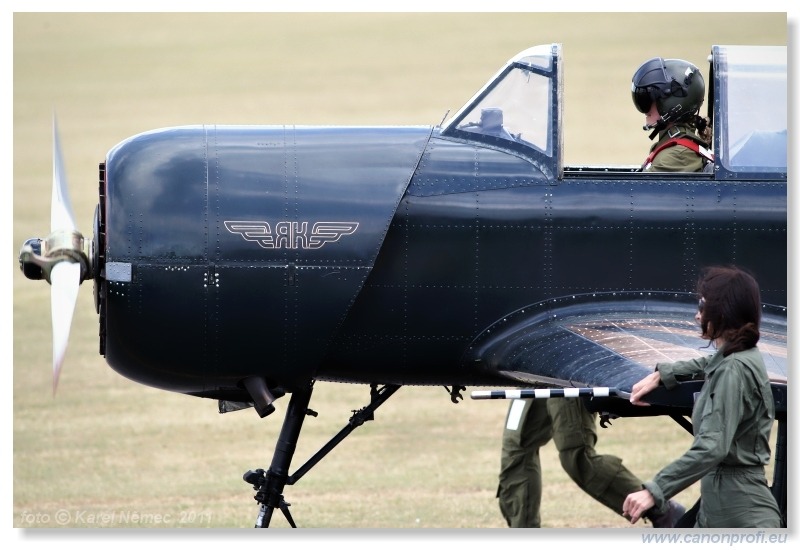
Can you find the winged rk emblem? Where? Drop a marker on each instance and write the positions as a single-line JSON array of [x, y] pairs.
[[291, 235]]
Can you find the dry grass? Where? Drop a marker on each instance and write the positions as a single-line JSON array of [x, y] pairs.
[[106, 449]]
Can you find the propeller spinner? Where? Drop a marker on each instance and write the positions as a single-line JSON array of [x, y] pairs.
[[62, 259]]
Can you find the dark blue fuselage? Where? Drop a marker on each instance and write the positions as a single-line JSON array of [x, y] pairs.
[[380, 254]]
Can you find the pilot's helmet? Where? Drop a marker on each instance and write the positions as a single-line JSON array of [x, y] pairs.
[[676, 86]]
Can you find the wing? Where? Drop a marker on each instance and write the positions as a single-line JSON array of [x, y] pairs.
[[610, 340]]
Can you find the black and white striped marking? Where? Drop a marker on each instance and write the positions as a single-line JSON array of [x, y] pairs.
[[547, 393]]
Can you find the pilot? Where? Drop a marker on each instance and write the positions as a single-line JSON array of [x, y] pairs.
[[670, 92], [530, 424]]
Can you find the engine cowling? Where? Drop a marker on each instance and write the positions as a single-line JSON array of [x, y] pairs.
[[233, 251]]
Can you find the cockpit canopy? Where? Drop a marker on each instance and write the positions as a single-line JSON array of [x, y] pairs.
[[517, 106], [750, 109], [520, 109]]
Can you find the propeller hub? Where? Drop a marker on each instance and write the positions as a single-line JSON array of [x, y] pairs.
[[38, 257]]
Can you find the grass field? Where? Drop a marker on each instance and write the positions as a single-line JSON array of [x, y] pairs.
[[106, 452]]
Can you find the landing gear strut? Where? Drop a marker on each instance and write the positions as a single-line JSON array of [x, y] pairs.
[[269, 485]]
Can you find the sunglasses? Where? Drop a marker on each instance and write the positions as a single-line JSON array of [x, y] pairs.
[[701, 305]]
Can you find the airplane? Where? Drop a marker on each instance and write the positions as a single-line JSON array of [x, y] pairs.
[[243, 264]]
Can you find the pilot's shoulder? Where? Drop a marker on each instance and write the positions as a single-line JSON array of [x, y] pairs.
[[677, 159]]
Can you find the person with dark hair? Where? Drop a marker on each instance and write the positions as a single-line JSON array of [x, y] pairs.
[[670, 92], [732, 416]]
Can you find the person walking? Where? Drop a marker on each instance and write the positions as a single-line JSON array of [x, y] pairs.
[[732, 416]]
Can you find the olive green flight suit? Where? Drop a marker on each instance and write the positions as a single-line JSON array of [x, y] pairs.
[[530, 424], [732, 417], [676, 158]]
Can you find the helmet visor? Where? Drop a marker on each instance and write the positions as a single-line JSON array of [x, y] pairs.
[[643, 98], [648, 82]]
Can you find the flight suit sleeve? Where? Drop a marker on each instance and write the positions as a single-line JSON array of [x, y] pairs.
[[670, 372], [721, 402]]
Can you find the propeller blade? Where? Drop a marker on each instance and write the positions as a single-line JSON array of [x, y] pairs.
[[61, 217], [65, 278]]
